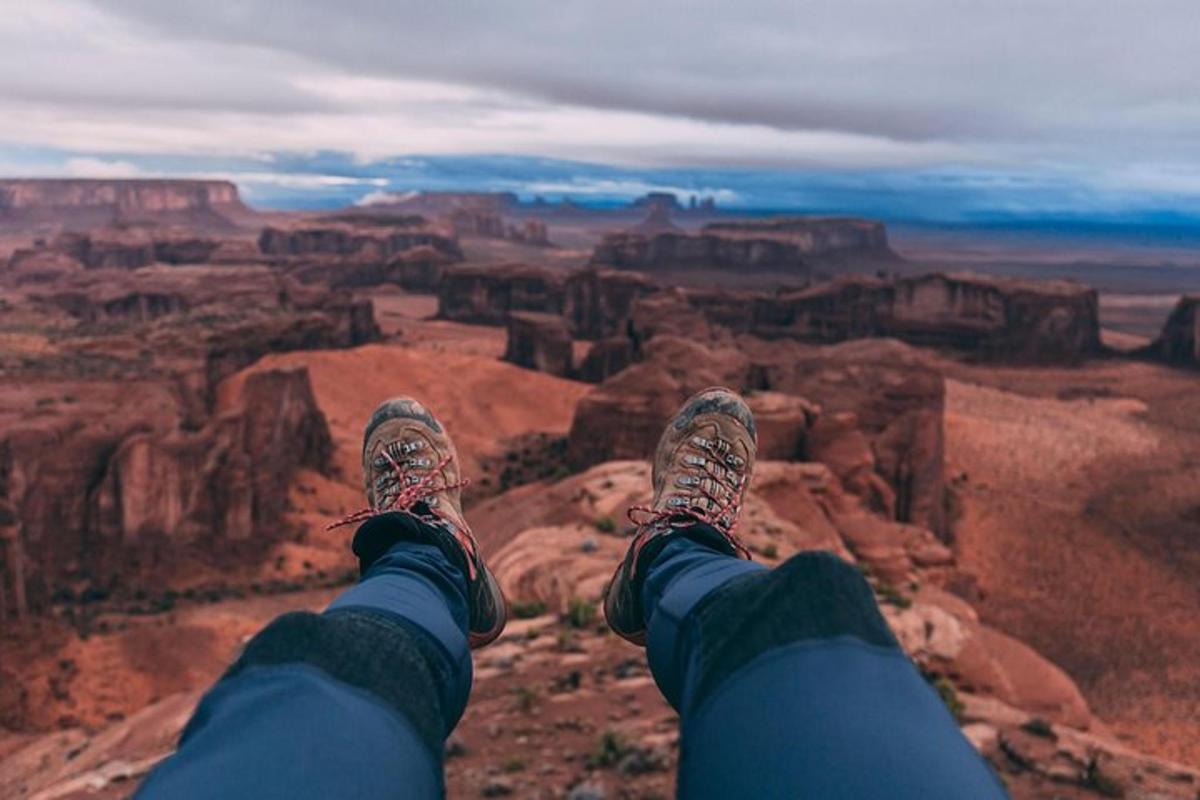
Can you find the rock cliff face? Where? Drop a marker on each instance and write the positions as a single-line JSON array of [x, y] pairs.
[[872, 410], [793, 245], [815, 235], [486, 295], [683, 252], [1005, 320], [88, 203], [108, 482], [247, 301], [598, 302], [379, 242], [879, 393], [539, 341], [1179, 342], [129, 441]]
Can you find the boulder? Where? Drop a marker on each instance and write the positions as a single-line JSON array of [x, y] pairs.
[[539, 341], [983, 661], [783, 421], [837, 440]]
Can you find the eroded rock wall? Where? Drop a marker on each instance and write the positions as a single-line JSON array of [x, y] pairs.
[[1179, 341], [487, 295]]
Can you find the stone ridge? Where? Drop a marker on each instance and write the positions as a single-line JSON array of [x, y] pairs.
[[119, 195]]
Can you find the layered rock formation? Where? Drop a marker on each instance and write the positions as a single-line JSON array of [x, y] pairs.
[[871, 410], [79, 203], [818, 236], [131, 247], [378, 242], [606, 358], [1179, 341], [679, 252], [417, 269], [108, 481], [539, 341], [990, 318], [598, 303], [880, 394], [490, 224], [487, 295], [123, 444], [793, 245]]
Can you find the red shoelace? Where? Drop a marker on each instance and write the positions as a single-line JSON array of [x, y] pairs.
[[413, 489], [721, 510]]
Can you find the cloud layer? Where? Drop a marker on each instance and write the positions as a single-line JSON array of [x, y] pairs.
[[1103, 94]]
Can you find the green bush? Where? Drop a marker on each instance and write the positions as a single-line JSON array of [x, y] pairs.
[[527, 698], [529, 609], [605, 524], [580, 613], [890, 594], [610, 748]]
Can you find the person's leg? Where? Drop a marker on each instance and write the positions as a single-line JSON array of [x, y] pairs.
[[357, 701], [789, 683], [354, 702]]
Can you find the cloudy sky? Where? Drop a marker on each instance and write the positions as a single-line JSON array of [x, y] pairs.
[[1050, 105]]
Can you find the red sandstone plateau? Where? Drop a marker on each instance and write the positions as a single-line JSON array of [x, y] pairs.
[[184, 388]]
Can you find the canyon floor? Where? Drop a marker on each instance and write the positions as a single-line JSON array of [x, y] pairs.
[[1072, 488]]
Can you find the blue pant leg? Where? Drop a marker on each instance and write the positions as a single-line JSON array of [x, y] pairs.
[[679, 578], [789, 684], [354, 702]]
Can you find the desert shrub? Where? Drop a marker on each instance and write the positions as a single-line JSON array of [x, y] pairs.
[[580, 613], [890, 594], [1039, 727], [610, 748], [605, 524], [528, 609], [527, 698], [947, 693]]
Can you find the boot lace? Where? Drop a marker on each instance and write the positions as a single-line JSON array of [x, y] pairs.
[[714, 483], [403, 481]]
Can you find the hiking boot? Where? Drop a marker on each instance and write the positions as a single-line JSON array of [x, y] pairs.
[[701, 469], [410, 466]]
